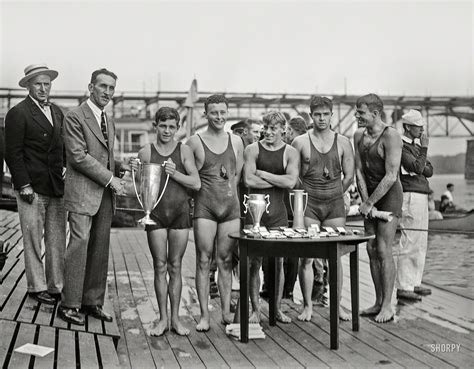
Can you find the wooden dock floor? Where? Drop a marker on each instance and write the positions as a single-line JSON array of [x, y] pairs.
[[436, 332]]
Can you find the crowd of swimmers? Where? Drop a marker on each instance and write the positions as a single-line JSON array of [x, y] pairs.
[[271, 155]]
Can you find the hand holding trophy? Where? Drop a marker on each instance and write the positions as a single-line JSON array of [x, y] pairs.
[[150, 180]]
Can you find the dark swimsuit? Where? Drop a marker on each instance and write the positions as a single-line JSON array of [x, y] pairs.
[[373, 167], [272, 162], [322, 181], [217, 199], [173, 210]]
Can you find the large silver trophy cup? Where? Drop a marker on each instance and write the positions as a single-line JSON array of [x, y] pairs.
[[298, 207], [149, 195], [256, 204]]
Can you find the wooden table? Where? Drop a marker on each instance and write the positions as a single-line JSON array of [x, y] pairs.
[[331, 248]]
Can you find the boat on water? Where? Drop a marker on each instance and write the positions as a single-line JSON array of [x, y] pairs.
[[451, 222], [459, 222]]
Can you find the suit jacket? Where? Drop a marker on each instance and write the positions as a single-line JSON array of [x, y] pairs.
[[34, 148], [87, 160]]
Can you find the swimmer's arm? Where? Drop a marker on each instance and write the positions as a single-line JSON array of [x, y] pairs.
[[298, 144], [393, 154], [190, 179], [251, 179], [238, 146], [289, 179], [194, 143], [347, 162], [361, 185]]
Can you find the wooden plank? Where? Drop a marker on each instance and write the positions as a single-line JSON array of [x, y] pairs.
[[108, 355], [134, 336], [45, 314], [7, 328], [47, 338], [28, 310], [14, 303], [110, 328], [202, 347], [405, 353], [94, 325], [87, 350], [26, 334], [144, 305], [66, 357]]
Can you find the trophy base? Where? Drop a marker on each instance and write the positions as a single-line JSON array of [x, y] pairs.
[[146, 220], [256, 228]]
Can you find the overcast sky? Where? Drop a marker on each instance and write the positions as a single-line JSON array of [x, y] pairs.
[[402, 47]]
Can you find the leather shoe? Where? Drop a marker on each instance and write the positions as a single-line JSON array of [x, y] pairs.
[[43, 297], [96, 312], [423, 291], [55, 296], [408, 295], [71, 315]]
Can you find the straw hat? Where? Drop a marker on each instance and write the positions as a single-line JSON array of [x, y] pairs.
[[34, 70], [414, 118]]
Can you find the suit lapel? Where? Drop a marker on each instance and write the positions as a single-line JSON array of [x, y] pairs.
[[56, 122], [92, 123], [39, 117], [110, 132]]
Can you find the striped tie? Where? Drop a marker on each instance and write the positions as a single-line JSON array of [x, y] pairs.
[[103, 128]]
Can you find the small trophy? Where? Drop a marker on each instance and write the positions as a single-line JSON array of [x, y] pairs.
[[257, 203], [297, 207], [150, 179]]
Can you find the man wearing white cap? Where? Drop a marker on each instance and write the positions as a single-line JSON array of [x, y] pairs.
[[410, 253], [34, 155]]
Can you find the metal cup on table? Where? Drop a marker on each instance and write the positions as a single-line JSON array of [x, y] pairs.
[[257, 204]]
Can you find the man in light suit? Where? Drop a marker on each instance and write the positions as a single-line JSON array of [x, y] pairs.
[[91, 180], [34, 154]]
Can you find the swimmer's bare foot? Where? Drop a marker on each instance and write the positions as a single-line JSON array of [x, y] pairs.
[[227, 319], [373, 310], [282, 318], [160, 329], [343, 315], [179, 328], [384, 316], [254, 317], [203, 325], [306, 314]]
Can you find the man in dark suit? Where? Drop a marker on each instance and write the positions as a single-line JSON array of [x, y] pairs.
[[34, 154], [91, 180]]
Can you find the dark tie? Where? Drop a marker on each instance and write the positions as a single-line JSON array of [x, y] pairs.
[[44, 103], [103, 128]]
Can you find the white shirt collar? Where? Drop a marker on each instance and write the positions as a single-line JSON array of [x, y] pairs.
[[96, 111], [410, 140], [37, 103]]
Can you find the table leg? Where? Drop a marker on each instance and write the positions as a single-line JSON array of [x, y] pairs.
[[334, 260], [354, 266], [244, 292], [272, 289]]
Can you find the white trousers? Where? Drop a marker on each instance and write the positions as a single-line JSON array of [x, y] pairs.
[[410, 253]]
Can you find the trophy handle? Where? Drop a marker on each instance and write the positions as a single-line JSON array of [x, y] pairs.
[[291, 204], [246, 204], [164, 187], [306, 203], [162, 192], [135, 187], [267, 197]]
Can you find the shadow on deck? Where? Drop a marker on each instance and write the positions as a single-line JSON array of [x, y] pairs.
[[434, 333]]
